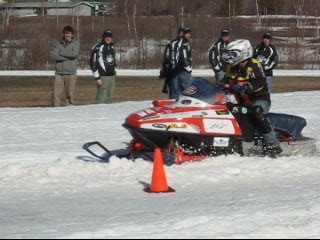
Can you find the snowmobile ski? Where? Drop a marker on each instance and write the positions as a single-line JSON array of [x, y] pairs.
[[105, 157], [136, 151]]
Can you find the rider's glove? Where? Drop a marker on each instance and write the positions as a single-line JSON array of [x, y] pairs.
[[242, 89]]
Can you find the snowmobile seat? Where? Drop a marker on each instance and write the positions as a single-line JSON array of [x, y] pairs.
[[289, 124]]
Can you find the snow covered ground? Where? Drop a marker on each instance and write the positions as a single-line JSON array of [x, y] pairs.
[[50, 188]]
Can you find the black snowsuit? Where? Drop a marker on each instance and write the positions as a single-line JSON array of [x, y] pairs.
[[184, 56], [270, 56], [214, 55], [103, 60], [169, 59]]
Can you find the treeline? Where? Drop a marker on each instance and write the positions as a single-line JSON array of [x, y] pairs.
[[143, 27], [216, 8], [219, 8]]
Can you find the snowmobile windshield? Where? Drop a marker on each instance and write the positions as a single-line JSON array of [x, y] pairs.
[[205, 91]]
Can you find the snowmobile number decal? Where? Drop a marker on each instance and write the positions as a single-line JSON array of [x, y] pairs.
[[219, 126]]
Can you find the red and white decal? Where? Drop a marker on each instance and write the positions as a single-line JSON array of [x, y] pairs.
[[170, 127], [190, 90]]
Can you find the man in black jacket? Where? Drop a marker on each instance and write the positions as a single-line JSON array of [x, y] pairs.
[[169, 65], [266, 53], [103, 66], [215, 54], [182, 60]]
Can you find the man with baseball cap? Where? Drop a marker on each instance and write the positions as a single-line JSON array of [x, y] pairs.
[[215, 54], [183, 66], [267, 54], [103, 66], [169, 65]]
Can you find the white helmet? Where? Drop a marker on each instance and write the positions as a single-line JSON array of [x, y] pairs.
[[236, 52]]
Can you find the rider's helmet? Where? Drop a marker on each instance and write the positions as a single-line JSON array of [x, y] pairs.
[[237, 52]]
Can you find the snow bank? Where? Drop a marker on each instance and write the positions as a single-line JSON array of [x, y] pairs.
[[50, 188]]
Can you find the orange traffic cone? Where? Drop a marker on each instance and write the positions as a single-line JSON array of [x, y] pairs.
[[159, 179]]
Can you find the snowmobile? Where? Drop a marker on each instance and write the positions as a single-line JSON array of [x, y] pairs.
[[204, 123]]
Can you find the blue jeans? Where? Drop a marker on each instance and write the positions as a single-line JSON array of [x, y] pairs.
[[174, 88], [270, 83], [179, 83], [270, 138]]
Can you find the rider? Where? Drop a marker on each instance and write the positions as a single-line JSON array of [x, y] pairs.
[[246, 79]]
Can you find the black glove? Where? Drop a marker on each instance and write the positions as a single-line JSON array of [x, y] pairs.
[[242, 89], [163, 74]]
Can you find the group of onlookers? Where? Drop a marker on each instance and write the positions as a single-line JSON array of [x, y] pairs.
[[238, 68], [102, 63], [177, 64]]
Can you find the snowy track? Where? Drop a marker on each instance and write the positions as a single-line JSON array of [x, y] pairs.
[[50, 188]]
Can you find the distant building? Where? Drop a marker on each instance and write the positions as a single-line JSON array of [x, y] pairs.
[[61, 7]]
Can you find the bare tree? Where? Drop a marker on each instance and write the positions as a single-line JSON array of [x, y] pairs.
[[299, 10], [317, 24], [182, 14], [127, 15], [134, 18], [7, 13], [230, 9], [258, 13]]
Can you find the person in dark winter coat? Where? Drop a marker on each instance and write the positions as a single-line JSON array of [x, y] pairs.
[[169, 65], [246, 79], [215, 54], [103, 66], [65, 54], [267, 54], [182, 61]]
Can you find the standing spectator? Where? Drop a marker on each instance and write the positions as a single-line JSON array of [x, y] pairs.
[[103, 66], [65, 54], [215, 55], [168, 66], [267, 54], [182, 56]]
